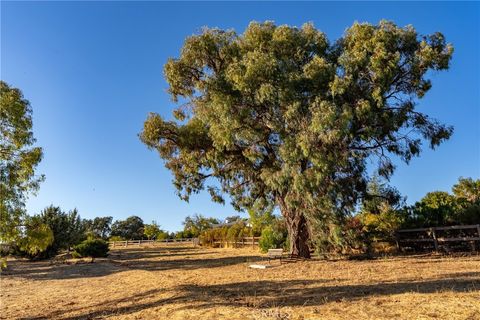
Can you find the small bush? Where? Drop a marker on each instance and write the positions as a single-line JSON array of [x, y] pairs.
[[91, 248], [271, 239], [116, 238], [340, 237]]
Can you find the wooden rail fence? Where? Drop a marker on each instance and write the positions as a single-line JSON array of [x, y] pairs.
[[242, 242], [127, 243], [439, 236]]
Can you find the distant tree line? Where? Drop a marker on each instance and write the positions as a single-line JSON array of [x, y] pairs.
[[381, 213]]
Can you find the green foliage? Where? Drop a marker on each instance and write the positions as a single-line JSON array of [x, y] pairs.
[[195, 225], [273, 236], [151, 230], [116, 238], [209, 236], [380, 213], [259, 218], [237, 231], [67, 228], [437, 208], [383, 224], [162, 235], [279, 115], [340, 236], [37, 237], [93, 248], [440, 208], [469, 215], [99, 227], [467, 190], [131, 228], [379, 195], [18, 160]]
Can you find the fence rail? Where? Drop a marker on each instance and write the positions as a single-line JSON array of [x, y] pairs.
[[127, 243], [243, 242], [439, 236]]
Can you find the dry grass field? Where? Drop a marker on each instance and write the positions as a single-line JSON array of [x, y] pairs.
[[182, 282]]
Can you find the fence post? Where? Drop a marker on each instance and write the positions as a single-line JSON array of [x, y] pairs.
[[474, 247], [253, 242], [113, 244], [435, 241], [126, 243], [397, 240]]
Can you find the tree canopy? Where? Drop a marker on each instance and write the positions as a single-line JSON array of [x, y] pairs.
[[281, 115], [131, 228], [99, 227], [67, 228], [193, 226], [151, 230], [439, 208], [467, 189], [18, 159]]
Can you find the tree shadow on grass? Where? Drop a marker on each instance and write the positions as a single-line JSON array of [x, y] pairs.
[[264, 294], [126, 259], [107, 307], [45, 270], [185, 263]]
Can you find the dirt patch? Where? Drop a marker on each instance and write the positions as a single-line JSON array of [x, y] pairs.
[[183, 282]]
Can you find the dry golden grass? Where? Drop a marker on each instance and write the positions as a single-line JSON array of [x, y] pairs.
[[182, 282]]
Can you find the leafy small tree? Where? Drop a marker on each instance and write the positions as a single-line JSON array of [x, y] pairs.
[[259, 218], [380, 211], [37, 237], [437, 208], [469, 214], [151, 230], [236, 231], [467, 189], [162, 235], [99, 227], [195, 225], [75, 228], [67, 228], [274, 236], [18, 161], [467, 194], [280, 115], [130, 228], [378, 195]]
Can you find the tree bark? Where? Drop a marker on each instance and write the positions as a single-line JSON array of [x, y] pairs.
[[298, 233]]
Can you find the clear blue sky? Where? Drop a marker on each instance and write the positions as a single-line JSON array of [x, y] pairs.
[[93, 71]]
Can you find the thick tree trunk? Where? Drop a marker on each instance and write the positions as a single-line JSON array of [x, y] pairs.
[[298, 233]]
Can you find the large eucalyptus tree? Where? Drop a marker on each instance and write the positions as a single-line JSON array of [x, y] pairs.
[[280, 115]]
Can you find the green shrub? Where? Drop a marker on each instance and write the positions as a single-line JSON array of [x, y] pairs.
[[271, 239], [116, 238], [162, 235], [340, 236], [469, 215], [91, 248]]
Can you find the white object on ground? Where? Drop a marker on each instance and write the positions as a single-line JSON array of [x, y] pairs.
[[258, 266]]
